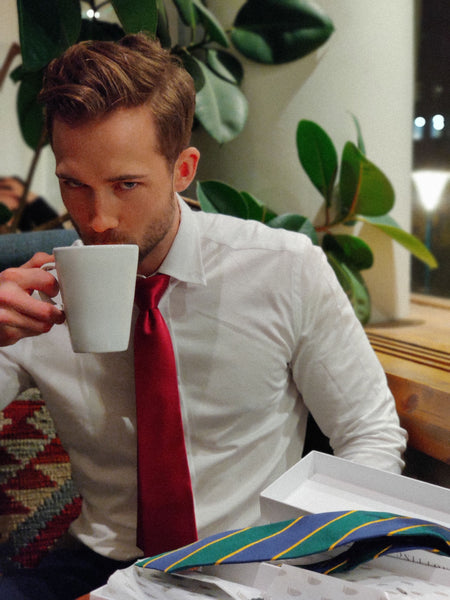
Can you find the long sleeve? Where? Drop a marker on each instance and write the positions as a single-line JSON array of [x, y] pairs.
[[338, 374], [13, 379]]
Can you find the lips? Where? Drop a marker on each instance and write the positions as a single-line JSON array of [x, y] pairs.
[[99, 240]]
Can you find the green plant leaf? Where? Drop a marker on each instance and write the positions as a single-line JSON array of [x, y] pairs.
[[136, 15], [18, 74], [349, 249], [162, 30], [363, 188], [95, 29], [269, 214], [279, 31], [353, 285], [221, 107], [294, 222], [256, 210], [212, 26], [46, 29], [361, 144], [318, 157], [5, 214], [225, 65], [218, 197], [407, 240], [30, 113], [187, 12]]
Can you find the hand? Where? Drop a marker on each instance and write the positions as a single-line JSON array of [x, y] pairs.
[[21, 315]]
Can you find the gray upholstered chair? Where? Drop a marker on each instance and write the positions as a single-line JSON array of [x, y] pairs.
[[17, 248]]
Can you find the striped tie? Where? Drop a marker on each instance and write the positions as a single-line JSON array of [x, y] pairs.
[[370, 535]]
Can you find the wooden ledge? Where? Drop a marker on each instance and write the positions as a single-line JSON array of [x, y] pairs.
[[415, 354]]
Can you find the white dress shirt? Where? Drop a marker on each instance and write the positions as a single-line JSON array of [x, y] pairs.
[[262, 332]]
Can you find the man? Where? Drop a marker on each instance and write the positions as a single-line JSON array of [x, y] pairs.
[[261, 329]]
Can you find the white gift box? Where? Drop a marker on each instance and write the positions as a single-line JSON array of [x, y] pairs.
[[317, 483], [322, 483]]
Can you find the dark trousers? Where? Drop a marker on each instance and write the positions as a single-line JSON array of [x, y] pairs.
[[63, 574]]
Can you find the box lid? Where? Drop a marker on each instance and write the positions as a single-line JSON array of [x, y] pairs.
[[321, 483]]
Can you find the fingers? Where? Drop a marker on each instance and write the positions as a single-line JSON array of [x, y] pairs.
[[31, 277], [22, 315], [17, 326], [38, 260]]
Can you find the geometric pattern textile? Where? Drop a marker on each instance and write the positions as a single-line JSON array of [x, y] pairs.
[[38, 500], [357, 535]]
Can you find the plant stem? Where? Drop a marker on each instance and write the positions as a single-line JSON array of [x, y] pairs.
[[327, 226], [356, 195], [198, 45], [53, 223]]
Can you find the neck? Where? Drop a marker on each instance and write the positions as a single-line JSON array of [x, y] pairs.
[[153, 260]]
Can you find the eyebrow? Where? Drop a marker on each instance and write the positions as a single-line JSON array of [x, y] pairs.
[[125, 177]]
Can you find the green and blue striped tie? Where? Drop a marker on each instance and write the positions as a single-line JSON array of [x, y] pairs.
[[363, 535]]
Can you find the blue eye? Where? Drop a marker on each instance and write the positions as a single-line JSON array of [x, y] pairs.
[[127, 185], [72, 184]]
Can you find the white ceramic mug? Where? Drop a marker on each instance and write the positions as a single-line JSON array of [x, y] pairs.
[[97, 286]]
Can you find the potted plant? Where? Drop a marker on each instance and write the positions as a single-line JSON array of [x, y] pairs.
[[267, 31], [354, 191]]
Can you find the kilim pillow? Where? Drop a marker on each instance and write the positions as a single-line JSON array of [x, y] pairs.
[[37, 496]]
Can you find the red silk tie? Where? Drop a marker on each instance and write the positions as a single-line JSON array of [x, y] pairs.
[[166, 518]]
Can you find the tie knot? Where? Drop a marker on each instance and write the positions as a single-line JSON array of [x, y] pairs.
[[149, 291]]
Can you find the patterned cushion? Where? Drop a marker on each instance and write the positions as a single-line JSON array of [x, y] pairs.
[[37, 496]]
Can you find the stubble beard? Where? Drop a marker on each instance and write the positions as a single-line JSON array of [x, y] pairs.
[[152, 237], [157, 232]]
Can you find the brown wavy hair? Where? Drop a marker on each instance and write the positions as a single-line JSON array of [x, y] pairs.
[[93, 78]]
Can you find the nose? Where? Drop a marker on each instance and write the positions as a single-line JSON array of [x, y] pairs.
[[104, 213]]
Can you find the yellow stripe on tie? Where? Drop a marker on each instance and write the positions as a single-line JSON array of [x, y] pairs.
[[382, 551], [359, 527], [311, 534], [418, 525], [203, 547], [335, 567], [153, 558], [258, 541]]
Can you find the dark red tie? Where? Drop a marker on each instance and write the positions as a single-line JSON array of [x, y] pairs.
[[166, 518]]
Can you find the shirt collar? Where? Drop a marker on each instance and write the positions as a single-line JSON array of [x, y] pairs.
[[184, 259]]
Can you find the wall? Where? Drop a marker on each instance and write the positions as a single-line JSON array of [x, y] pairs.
[[366, 68], [15, 155]]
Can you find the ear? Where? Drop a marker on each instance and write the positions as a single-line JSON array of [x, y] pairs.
[[185, 168]]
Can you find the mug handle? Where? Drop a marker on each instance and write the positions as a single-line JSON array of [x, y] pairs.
[[50, 266]]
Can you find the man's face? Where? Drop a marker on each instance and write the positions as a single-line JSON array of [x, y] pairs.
[[117, 187]]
